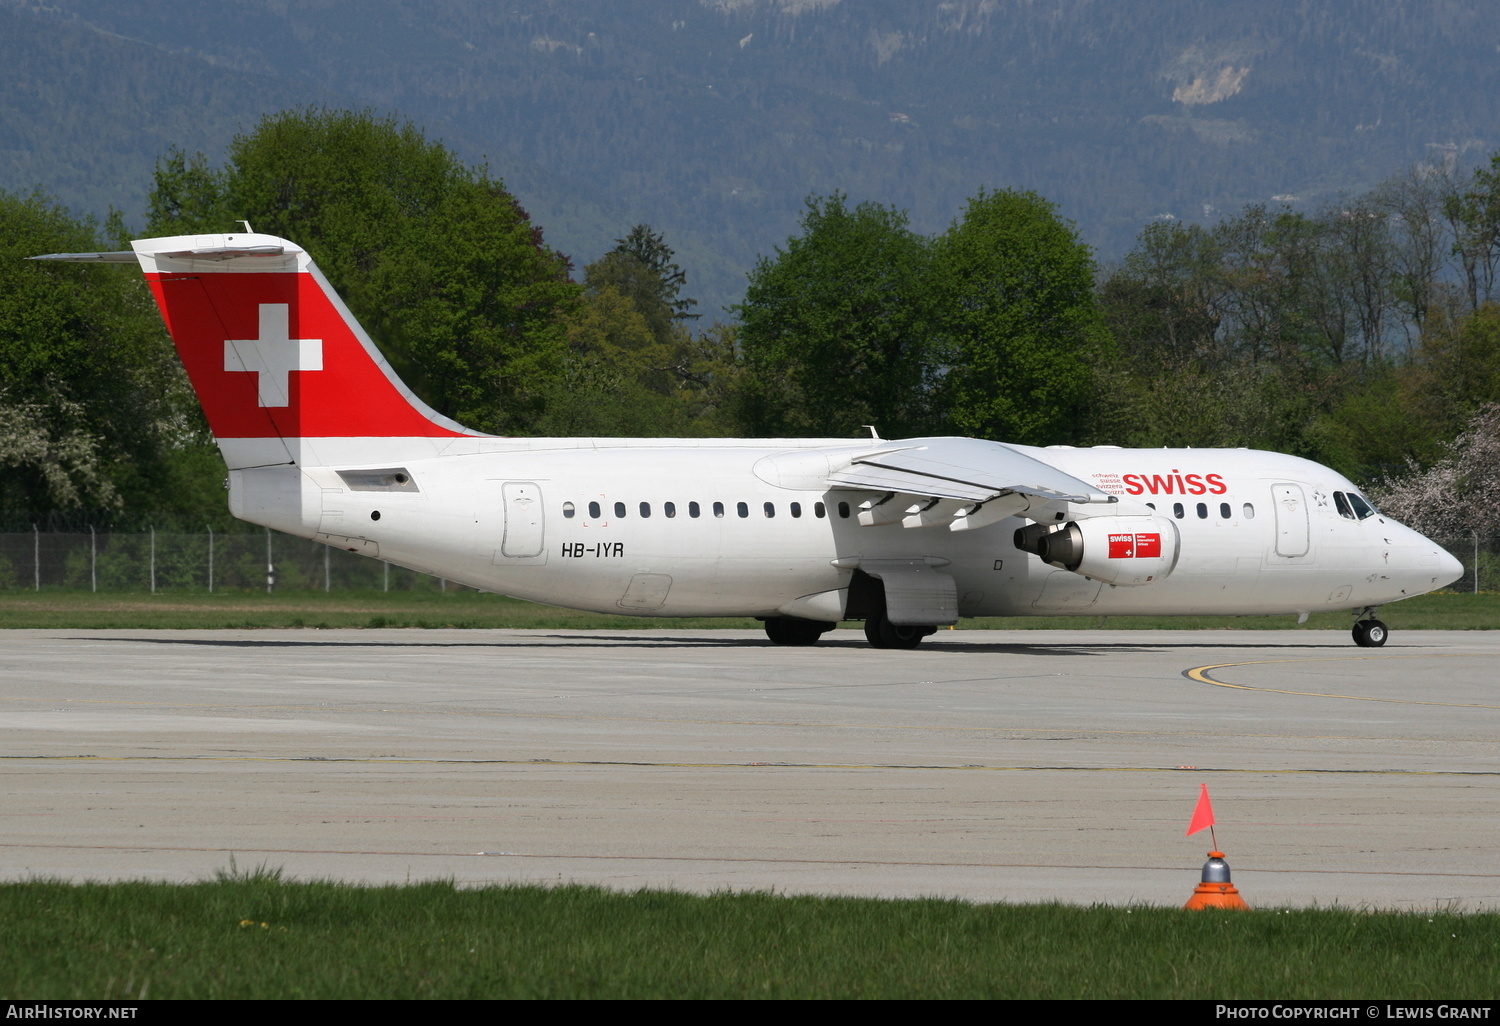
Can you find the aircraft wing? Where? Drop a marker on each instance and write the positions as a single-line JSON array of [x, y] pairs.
[[962, 483], [971, 469]]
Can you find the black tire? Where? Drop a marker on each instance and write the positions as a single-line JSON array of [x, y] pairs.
[[881, 633], [791, 630], [1370, 634]]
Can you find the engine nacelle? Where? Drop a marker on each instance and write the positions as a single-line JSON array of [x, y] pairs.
[[1125, 551]]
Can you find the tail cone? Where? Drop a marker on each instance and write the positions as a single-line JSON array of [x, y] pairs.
[[1216, 891]]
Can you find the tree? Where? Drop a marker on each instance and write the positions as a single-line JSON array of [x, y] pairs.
[[435, 258], [1458, 494], [1474, 219], [653, 253], [1165, 303], [1413, 201], [635, 284], [1019, 323], [95, 412], [630, 357], [836, 328], [616, 381]]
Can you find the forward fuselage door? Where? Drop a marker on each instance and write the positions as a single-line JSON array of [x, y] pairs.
[[1291, 519]]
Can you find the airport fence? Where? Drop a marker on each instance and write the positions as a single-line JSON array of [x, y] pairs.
[[1480, 556], [156, 561]]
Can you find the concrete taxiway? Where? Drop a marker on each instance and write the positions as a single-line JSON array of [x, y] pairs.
[[1014, 766]]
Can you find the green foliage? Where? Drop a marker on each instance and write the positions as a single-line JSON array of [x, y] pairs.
[[990, 329], [1457, 367], [837, 327], [632, 368], [633, 283], [1164, 304], [1020, 327], [1344, 335], [664, 279], [94, 410], [435, 258]]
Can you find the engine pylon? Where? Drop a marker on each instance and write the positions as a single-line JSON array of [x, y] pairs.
[[1216, 891]]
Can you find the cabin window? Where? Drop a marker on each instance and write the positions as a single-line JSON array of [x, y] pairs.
[[669, 509], [694, 510], [844, 510], [796, 509], [770, 509], [594, 512], [619, 511], [819, 510], [1202, 511], [1178, 511], [743, 509], [1150, 505], [1249, 511], [1225, 511], [568, 511], [719, 510], [645, 509], [1362, 509]]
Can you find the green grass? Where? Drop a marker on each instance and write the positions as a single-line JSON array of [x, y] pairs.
[[255, 936], [375, 609]]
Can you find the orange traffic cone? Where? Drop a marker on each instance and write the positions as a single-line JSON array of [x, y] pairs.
[[1216, 891]]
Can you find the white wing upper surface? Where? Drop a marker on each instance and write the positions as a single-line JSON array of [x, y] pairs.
[[967, 469], [958, 483]]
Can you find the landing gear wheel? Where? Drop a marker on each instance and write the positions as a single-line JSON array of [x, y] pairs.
[[881, 633], [791, 630], [1369, 634]]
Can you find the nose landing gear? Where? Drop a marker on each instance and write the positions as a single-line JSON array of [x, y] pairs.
[[1368, 631]]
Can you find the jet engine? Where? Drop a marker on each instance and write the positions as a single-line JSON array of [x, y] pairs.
[[1125, 551]]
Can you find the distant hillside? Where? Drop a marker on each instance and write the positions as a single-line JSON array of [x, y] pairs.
[[713, 120]]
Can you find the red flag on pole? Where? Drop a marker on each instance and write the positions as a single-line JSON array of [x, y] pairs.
[[1203, 813]]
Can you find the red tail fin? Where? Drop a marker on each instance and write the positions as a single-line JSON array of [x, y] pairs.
[[273, 352]]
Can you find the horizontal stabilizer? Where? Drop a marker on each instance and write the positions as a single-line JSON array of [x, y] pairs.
[[126, 257]]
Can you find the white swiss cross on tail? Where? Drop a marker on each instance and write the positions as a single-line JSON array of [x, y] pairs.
[[274, 355]]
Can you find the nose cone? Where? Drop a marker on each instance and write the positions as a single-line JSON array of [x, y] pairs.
[[1419, 563], [1449, 568], [1436, 566]]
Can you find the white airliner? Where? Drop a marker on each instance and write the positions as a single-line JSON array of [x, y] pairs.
[[323, 441]]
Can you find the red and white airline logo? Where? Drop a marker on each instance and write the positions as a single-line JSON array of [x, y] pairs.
[[273, 355], [1135, 546], [270, 355]]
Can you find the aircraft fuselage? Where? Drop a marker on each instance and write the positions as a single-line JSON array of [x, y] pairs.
[[670, 528]]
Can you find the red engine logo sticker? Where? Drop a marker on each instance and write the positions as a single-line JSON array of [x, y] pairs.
[[1135, 546]]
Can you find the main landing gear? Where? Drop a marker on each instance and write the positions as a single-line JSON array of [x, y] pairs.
[[1368, 631], [793, 630], [881, 633]]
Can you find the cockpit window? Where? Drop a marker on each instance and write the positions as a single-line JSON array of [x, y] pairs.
[[1341, 501], [1362, 509]]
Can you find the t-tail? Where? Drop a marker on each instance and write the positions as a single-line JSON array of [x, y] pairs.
[[287, 378]]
